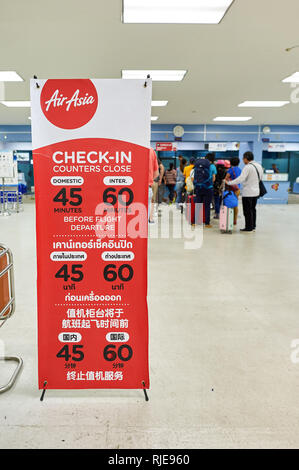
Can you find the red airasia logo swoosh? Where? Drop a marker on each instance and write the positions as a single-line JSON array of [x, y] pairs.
[[69, 104]]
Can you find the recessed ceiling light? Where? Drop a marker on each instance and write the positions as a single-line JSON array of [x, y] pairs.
[[10, 77], [159, 103], [29, 118], [175, 11], [263, 104], [292, 78], [154, 118], [227, 118], [16, 104], [156, 75]]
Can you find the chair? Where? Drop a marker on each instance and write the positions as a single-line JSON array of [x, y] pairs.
[[7, 306]]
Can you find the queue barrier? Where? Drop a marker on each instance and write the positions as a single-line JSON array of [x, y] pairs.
[[7, 306], [11, 199]]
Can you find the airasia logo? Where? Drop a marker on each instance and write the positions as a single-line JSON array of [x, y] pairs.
[[69, 104]]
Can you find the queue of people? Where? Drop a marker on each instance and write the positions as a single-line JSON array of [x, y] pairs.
[[208, 180]]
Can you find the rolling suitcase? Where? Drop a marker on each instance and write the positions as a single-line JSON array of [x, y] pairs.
[[226, 219], [190, 210], [195, 215]]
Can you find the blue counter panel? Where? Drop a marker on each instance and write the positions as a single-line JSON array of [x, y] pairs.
[[278, 192], [296, 188]]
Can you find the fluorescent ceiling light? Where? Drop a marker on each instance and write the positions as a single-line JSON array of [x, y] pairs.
[[292, 78], [159, 103], [263, 104], [227, 118], [16, 104], [156, 75], [10, 77], [154, 118], [175, 11]]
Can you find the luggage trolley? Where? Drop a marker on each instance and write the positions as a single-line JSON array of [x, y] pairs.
[[13, 198], [7, 306]]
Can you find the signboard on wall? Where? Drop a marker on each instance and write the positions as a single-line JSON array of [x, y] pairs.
[[6, 165], [235, 146], [276, 177], [218, 146], [91, 142], [13, 180], [277, 148], [166, 147], [23, 156]]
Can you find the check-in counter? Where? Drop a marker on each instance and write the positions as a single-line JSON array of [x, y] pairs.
[[277, 185], [296, 186]]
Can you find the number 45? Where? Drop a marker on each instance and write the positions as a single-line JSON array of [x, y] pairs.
[[77, 274], [76, 355], [62, 197]]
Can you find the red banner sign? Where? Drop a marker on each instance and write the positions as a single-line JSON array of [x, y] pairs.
[[91, 222], [165, 147]]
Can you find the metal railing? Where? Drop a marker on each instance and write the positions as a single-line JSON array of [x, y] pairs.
[[11, 199], [7, 310]]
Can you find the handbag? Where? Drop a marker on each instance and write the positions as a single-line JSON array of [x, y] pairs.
[[230, 199], [235, 188], [262, 187], [189, 184]]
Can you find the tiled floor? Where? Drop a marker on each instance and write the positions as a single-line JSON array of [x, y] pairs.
[[222, 320]]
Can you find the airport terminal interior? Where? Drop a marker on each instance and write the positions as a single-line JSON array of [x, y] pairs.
[[223, 343]]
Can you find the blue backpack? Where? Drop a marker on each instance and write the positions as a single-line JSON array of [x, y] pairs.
[[202, 178], [230, 199]]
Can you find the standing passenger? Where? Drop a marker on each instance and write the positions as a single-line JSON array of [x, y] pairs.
[[153, 173], [211, 157], [234, 173], [203, 177], [170, 180], [161, 188], [180, 182], [219, 186], [251, 175], [187, 173]]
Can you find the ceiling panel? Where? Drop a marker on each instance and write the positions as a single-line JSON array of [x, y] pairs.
[[242, 58]]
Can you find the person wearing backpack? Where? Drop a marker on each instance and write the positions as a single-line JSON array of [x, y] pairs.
[[203, 176], [180, 182], [251, 178], [219, 186], [187, 172], [234, 173]]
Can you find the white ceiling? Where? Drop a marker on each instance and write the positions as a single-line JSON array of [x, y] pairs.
[[241, 59]]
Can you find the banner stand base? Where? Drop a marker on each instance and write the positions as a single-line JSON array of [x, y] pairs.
[[145, 392], [44, 391], [45, 388]]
